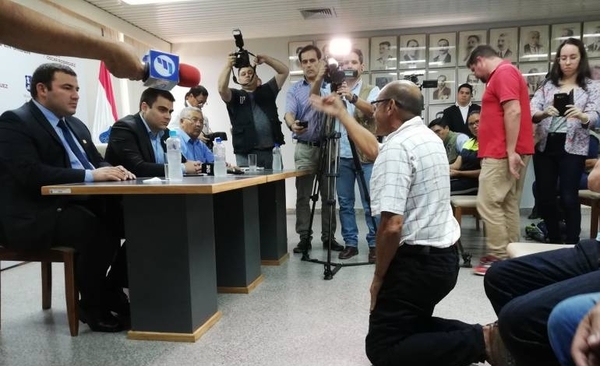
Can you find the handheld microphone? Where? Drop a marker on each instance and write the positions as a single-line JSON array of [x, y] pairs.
[[163, 71]]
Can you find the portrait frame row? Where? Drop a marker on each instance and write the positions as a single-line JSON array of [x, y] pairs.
[[441, 50]]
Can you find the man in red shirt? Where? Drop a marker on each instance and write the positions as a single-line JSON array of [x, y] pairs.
[[505, 145]]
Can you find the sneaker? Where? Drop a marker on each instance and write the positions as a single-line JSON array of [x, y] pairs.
[[348, 252], [497, 354], [372, 255], [334, 246], [304, 244], [534, 214], [485, 263]]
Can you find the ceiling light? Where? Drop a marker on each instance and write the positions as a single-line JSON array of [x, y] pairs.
[[146, 2]]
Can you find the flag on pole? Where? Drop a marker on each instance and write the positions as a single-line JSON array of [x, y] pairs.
[[106, 109]]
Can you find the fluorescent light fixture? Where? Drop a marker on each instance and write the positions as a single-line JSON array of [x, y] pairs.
[[146, 2]]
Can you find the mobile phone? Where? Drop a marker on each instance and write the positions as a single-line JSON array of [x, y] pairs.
[[303, 124], [562, 100]]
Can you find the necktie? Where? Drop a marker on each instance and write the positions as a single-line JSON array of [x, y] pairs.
[[73, 146]]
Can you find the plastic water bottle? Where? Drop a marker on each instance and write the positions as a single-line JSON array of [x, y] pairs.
[[220, 167], [174, 157], [277, 163]]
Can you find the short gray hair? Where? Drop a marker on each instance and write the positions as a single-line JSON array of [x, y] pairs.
[[187, 111]]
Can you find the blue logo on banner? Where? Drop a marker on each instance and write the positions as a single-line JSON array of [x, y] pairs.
[[28, 83]]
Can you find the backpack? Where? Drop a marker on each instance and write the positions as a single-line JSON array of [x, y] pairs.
[[539, 232]]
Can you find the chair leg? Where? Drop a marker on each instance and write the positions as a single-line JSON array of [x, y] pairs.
[[458, 214], [46, 285], [71, 294], [477, 218]]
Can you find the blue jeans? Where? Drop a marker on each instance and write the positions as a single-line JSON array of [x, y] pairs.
[[563, 323], [523, 292], [345, 190]]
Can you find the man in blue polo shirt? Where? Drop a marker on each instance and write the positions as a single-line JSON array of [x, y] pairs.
[[191, 123]]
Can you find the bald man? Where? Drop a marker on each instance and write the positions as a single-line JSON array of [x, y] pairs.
[[417, 261]]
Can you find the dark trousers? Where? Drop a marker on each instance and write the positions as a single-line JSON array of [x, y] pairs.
[[524, 290], [554, 167], [93, 229], [402, 330]]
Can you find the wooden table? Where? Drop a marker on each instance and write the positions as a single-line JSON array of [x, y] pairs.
[[187, 240]]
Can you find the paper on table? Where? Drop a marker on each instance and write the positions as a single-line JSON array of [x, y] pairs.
[[154, 180]]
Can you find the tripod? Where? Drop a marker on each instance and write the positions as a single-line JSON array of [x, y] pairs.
[[329, 167]]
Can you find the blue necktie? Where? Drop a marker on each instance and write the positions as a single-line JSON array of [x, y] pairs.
[[73, 145]]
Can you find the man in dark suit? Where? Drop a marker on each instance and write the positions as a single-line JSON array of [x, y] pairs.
[[41, 143], [456, 115], [138, 141]]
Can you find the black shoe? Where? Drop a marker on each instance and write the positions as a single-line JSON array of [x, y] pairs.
[[372, 255], [119, 305], [534, 214], [99, 320], [334, 246], [304, 244], [348, 252]]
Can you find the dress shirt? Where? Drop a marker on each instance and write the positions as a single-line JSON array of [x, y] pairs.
[[75, 163], [194, 149], [159, 153]]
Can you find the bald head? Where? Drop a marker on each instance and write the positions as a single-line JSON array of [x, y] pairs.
[[407, 94]]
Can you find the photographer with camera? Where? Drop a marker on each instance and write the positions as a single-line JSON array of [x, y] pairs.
[[252, 110], [358, 97]]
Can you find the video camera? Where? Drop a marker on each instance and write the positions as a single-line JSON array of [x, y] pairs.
[[427, 84], [335, 76], [242, 57]]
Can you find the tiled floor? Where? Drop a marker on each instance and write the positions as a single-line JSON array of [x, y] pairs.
[[293, 318]]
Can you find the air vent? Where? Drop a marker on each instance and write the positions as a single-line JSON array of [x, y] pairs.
[[318, 13]]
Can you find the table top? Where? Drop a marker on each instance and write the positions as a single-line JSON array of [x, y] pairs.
[[189, 185]]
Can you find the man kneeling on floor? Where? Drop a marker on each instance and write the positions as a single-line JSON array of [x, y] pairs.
[[416, 262]]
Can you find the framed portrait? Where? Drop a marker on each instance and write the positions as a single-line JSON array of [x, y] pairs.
[[466, 76], [505, 42], [534, 74], [534, 43], [324, 47], [446, 86], [384, 53], [595, 68], [467, 41], [294, 48], [561, 32], [442, 49], [591, 38], [363, 45], [412, 52], [381, 79], [435, 111]]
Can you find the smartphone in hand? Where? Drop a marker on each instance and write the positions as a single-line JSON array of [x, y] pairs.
[[562, 100], [303, 124]]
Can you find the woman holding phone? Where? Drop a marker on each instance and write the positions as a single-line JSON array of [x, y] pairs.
[[563, 137]]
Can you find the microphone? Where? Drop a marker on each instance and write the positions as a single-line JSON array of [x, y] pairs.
[[163, 71]]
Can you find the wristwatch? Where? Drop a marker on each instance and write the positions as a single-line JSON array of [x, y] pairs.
[[354, 99]]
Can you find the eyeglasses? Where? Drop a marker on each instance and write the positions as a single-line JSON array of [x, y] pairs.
[[376, 102], [471, 124], [194, 119]]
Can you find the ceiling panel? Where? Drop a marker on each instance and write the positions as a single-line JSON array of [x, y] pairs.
[[208, 20]]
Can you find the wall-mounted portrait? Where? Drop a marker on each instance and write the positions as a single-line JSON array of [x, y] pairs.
[[467, 41], [323, 45], [382, 79], [294, 48], [412, 51], [534, 43], [384, 53], [561, 32], [446, 85], [466, 76], [435, 111], [591, 38], [505, 42], [442, 49], [595, 68], [534, 74]]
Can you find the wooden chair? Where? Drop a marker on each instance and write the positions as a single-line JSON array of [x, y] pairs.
[[464, 205], [46, 258], [592, 199]]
